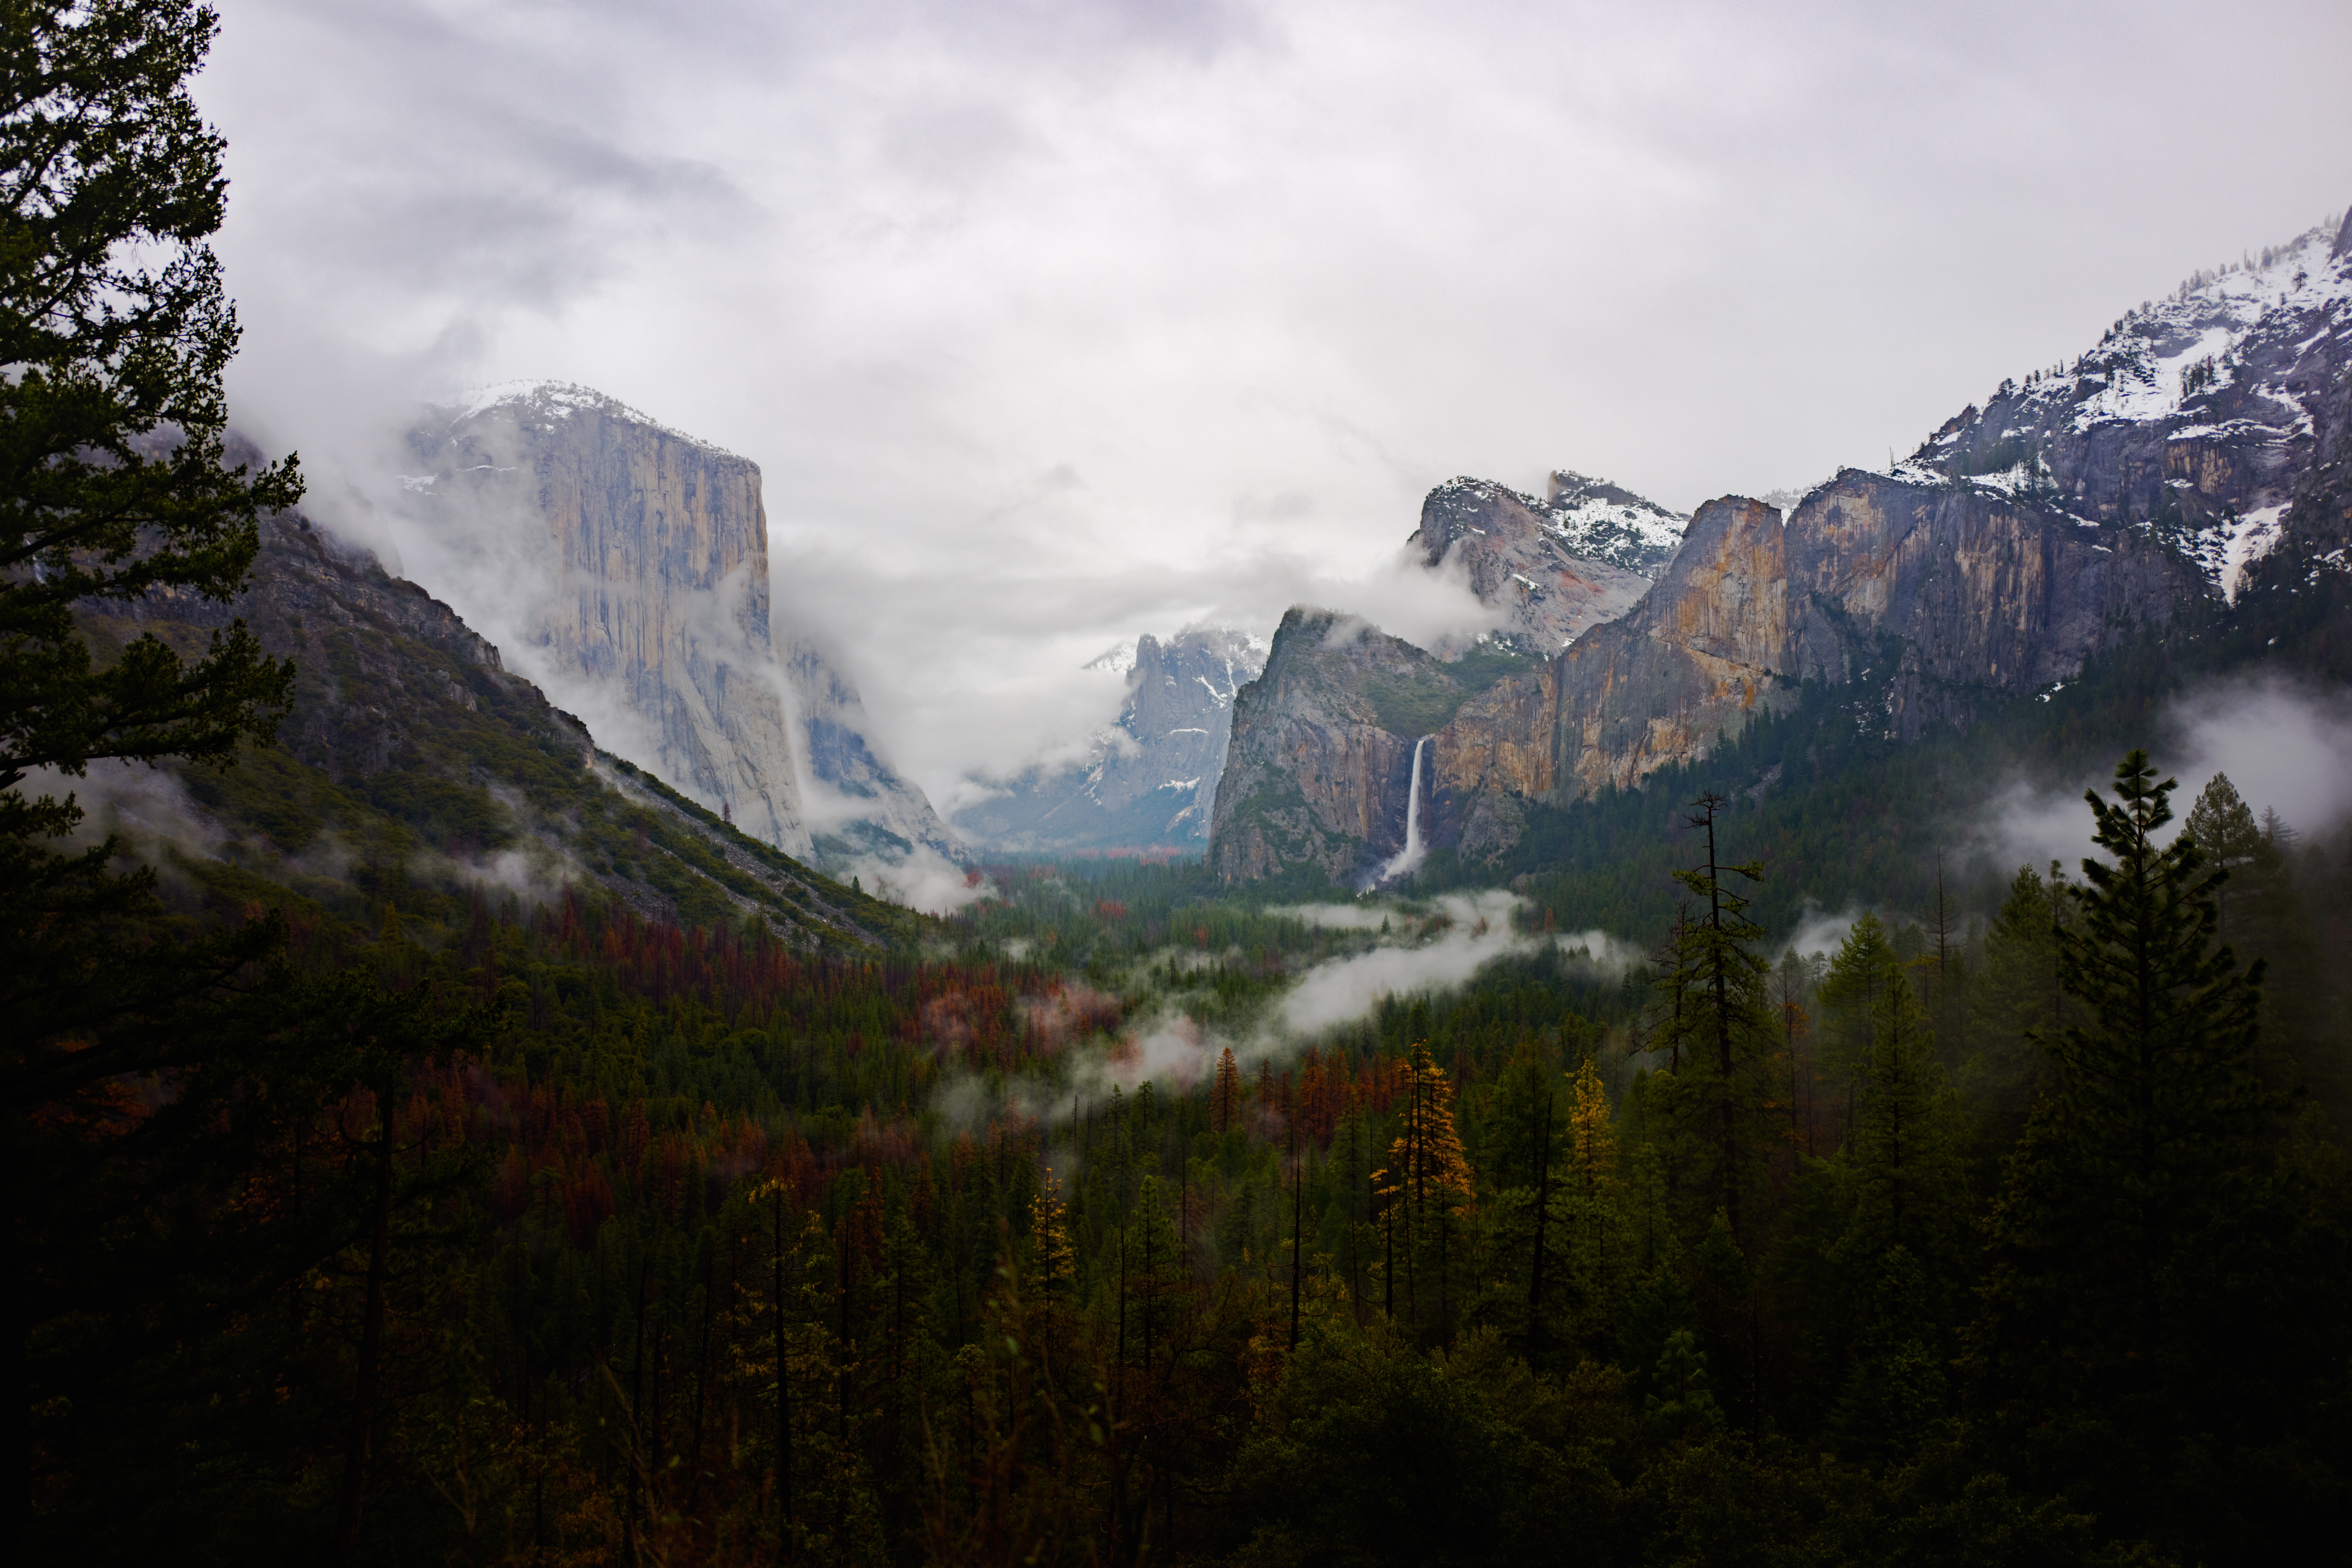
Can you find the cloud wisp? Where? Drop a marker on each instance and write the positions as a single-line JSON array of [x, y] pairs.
[[2285, 747]]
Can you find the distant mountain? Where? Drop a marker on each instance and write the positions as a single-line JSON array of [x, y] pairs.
[[1559, 566], [1146, 780], [2201, 452], [624, 565]]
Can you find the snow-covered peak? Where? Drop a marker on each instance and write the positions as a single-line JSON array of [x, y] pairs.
[[1589, 518], [2189, 420], [2179, 356], [1606, 523], [1117, 662], [558, 400]]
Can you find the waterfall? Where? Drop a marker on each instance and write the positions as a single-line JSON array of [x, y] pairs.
[[1410, 858]]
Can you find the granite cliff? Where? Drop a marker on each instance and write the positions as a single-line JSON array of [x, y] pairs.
[[2201, 450], [625, 567], [1320, 769], [1146, 780]]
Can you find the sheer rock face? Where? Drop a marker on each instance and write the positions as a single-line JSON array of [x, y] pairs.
[[1319, 769], [1147, 781], [1953, 597], [1694, 656], [625, 567], [1496, 752], [1556, 569]]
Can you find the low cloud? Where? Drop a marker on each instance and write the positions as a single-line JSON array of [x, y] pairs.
[[925, 880], [2285, 747], [1348, 988], [1423, 954], [1820, 932], [1340, 917], [1607, 956], [147, 807]]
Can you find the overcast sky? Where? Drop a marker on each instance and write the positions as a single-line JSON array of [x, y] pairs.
[[1052, 324]]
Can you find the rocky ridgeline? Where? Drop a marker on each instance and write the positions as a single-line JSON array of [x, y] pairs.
[[624, 566], [2202, 449], [1147, 781]]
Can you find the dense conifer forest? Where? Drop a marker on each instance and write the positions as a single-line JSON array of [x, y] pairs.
[[399, 1217]]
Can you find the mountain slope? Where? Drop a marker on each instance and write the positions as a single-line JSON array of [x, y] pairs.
[[414, 770], [1150, 780], [2193, 417]]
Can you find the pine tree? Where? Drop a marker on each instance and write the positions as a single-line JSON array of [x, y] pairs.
[[113, 420], [2020, 1005], [1852, 992], [2138, 1197], [1910, 1190], [1051, 1264], [1591, 1202], [2226, 835], [1224, 1097], [1432, 1178]]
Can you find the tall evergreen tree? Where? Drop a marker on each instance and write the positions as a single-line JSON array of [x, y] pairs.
[[2018, 1004], [2141, 1196], [113, 485]]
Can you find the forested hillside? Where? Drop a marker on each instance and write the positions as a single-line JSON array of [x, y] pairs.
[[431, 1141]]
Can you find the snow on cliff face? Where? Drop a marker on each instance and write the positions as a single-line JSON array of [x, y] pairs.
[[1557, 567], [2192, 418], [1604, 523]]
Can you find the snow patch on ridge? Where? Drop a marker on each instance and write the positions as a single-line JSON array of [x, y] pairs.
[[559, 400]]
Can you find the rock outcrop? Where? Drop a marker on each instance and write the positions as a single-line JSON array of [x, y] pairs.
[[1147, 781], [1320, 767], [624, 566], [1557, 567]]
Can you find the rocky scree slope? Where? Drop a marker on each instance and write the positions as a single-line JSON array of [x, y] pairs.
[[2200, 449], [411, 758], [624, 566], [1146, 781]]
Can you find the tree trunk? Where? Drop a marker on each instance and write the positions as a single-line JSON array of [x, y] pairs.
[[363, 1400]]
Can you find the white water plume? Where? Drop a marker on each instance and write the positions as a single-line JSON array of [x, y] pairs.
[[1407, 860]]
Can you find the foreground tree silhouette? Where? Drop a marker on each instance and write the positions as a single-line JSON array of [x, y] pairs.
[[2145, 1226], [112, 487]]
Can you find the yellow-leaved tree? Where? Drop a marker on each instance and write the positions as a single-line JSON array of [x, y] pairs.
[[1050, 1258], [1431, 1176]]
